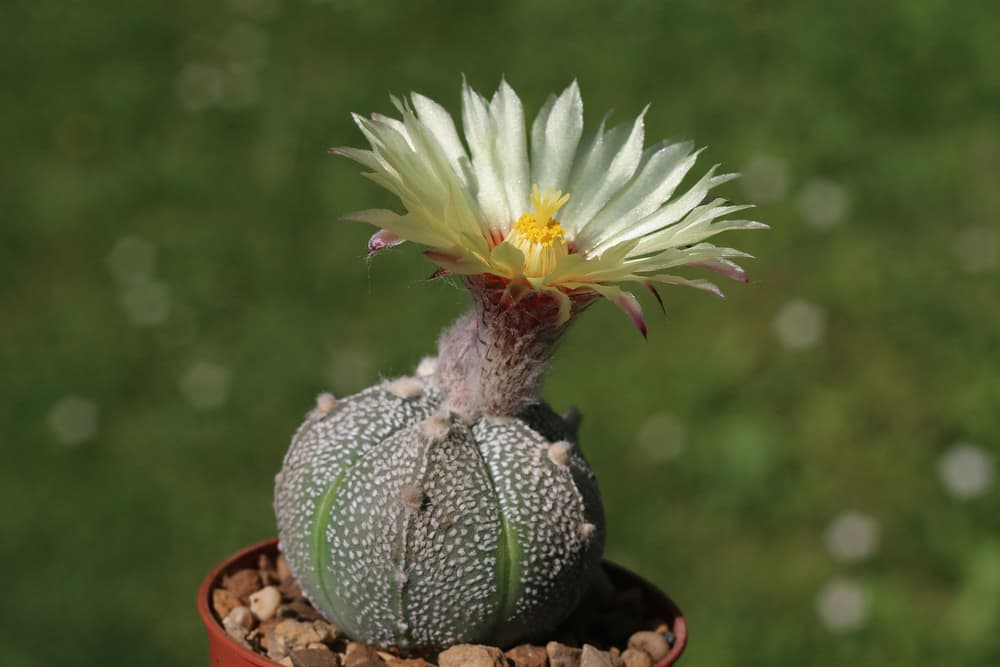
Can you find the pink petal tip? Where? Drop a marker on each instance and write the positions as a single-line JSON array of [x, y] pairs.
[[381, 240]]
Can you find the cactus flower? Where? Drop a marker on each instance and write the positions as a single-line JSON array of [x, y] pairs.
[[570, 213]]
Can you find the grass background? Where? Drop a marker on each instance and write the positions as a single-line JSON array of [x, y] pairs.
[[201, 128]]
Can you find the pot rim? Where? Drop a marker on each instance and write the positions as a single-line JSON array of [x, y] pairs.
[[215, 629]]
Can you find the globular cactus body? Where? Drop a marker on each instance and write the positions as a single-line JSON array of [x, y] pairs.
[[409, 526]]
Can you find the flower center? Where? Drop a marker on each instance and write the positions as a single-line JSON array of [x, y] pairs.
[[540, 236]]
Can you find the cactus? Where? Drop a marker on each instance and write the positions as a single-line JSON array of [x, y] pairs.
[[426, 530], [455, 505]]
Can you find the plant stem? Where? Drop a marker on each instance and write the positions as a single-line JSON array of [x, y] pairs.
[[493, 359]]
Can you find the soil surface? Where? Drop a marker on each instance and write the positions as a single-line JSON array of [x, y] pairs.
[[263, 609]]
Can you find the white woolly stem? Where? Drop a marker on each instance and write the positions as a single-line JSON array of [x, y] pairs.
[[493, 359]]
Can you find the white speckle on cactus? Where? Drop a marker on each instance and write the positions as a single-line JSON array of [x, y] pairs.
[[406, 387], [500, 420], [325, 403], [587, 530], [559, 453], [427, 367], [435, 428], [413, 497]]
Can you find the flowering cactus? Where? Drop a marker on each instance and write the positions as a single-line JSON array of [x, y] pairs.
[[455, 505]]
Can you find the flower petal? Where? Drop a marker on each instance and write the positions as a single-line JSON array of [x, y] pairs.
[[565, 305], [554, 138], [698, 283], [403, 226], [726, 267], [511, 148], [441, 125], [674, 257], [362, 157], [456, 261], [670, 212], [508, 259], [603, 171], [697, 226], [383, 239], [480, 133], [658, 178]]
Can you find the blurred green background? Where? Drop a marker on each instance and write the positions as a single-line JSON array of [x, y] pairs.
[[807, 468]]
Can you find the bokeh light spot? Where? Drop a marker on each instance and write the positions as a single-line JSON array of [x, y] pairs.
[[852, 536], [799, 324], [823, 203], [966, 470], [73, 420], [206, 385], [842, 605], [765, 179]]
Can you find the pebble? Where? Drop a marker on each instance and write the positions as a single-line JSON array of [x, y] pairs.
[[594, 657], [313, 657], [396, 661], [634, 657], [262, 633], [291, 635], [265, 602], [361, 655], [561, 655], [290, 588], [237, 623], [527, 655], [282, 569], [653, 643], [471, 655], [266, 571], [242, 583], [241, 617], [664, 630], [299, 609], [223, 602]]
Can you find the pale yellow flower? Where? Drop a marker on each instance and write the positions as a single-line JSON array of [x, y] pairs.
[[555, 212]]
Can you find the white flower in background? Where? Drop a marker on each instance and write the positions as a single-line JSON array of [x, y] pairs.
[[548, 211]]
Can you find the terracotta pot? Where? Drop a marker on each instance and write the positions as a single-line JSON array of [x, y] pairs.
[[224, 652]]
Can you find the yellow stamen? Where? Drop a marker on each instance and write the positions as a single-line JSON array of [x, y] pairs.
[[538, 235]]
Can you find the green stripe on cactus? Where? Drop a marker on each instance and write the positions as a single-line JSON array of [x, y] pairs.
[[321, 554]]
